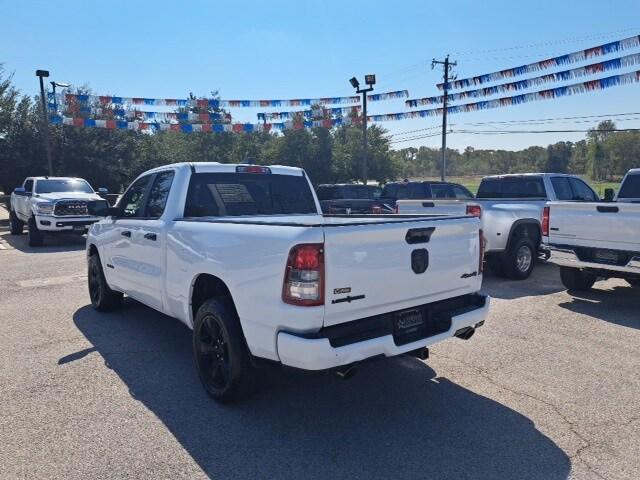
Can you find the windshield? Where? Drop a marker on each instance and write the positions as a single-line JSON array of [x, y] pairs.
[[630, 187], [236, 194], [70, 185], [512, 187]]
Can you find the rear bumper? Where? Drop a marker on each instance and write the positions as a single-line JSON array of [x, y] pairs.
[[321, 351], [567, 256]]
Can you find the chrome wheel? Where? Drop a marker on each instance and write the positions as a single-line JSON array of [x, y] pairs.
[[524, 258]]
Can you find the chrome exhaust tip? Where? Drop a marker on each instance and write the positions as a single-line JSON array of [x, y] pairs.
[[346, 372]]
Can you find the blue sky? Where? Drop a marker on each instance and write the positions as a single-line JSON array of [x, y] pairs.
[[293, 49]]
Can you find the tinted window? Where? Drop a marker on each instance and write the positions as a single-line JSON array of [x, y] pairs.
[[28, 186], [460, 192], [234, 194], [440, 191], [404, 191], [158, 194], [71, 185], [132, 202], [582, 191], [512, 187], [630, 187], [562, 188], [325, 193]]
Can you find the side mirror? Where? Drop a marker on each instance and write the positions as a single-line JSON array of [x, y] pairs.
[[103, 191], [101, 208], [609, 194], [20, 191]]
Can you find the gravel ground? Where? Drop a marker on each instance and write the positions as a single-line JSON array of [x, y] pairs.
[[548, 389]]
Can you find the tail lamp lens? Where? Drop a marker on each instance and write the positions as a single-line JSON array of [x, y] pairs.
[[304, 276], [546, 216], [474, 210], [483, 248]]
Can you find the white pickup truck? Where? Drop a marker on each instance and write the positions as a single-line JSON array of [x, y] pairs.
[[50, 205], [510, 207], [242, 255], [597, 240]]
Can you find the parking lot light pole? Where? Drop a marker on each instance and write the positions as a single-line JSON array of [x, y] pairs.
[[370, 80], [41, 74]]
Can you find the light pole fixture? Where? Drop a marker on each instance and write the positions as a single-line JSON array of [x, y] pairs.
[[370, 80], [41, 74], [53, 86]]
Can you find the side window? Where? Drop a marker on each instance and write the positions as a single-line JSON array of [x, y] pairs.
[[158, 194], [132, 203], [28, 186], [582, 191], [460, 192], [562, 188]]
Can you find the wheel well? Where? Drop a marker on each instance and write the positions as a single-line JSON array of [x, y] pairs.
[[208, 286], [93, 249], [526, 229]]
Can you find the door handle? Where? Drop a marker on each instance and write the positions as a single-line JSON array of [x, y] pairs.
[[126, 233], [151, 236]]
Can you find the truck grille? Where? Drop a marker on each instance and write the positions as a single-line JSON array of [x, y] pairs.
[[70, 208]]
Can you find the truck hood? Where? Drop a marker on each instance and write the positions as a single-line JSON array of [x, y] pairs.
[[53, 196]]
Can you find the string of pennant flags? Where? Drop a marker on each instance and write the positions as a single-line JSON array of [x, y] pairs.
[[309, 114], [64, 98], [559, 61], [197, 127], [567, 90], [594, 68]]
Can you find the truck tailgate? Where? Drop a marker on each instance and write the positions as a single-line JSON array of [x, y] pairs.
[[599, 225], [386, 266], [433, 207]]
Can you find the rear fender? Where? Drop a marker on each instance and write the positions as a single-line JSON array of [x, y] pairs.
[[525, 227]]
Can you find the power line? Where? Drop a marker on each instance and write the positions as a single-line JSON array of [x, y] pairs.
[[548, 43], [531, 121], [505, 132]]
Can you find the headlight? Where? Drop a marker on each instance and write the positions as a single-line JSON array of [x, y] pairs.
[[44, 208]]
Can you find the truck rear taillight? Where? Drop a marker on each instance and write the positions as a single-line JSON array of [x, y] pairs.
[[546, 216], [474, 210], [483, 247], [304, 276], [376, 209]]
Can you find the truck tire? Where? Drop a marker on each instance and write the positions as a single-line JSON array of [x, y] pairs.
[[36, 238], [16, 225], [634, 282], [220, 352], [102, 297], [577, 280], [519, 259]]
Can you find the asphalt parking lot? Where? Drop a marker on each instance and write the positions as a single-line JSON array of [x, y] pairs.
[[548, 389]]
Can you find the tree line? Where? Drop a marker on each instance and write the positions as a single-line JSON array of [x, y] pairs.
[[605, 154], [112, 158]]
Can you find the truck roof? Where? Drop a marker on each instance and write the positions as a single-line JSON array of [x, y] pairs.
[[54, 178], [540, 174], [212, 167], [634, 171]]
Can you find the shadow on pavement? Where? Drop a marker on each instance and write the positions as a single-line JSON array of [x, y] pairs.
[[394, 419], [617, 305], [52, 243], [544, 280]]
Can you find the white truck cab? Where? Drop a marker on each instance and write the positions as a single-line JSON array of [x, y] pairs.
[[50, 205]]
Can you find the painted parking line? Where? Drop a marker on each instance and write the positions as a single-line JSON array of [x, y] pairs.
[[46, 282]]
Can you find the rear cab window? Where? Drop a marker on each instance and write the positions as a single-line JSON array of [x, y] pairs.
[[240, 194], [630, 187], [512, 187]]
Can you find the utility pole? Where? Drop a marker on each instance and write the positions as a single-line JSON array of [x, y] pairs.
[[445, 97], [41, 74]]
